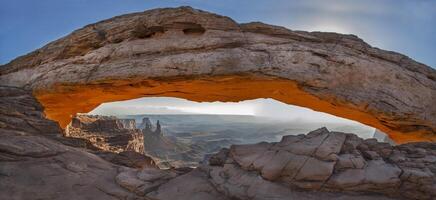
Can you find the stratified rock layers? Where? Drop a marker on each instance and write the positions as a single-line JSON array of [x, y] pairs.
[[107, 133], [192, 54]]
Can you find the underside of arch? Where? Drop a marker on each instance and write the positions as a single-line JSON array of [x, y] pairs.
[[64, 101]]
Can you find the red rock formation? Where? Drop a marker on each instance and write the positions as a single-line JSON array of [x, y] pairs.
[[192, 54], [106, 133], [36, 165]]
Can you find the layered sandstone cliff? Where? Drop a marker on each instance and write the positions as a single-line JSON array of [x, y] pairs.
[[107, 133], [193, 54], [115, 140]]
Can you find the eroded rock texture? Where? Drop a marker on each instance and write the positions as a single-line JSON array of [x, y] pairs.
[[107, 133], [188, 53], [34, 164], [326, 161], [37, 162], [115, 140]]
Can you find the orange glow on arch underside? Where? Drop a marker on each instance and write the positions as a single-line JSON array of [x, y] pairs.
[[64, 101]]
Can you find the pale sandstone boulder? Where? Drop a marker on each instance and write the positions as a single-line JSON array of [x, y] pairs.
[[347, 178], [350, 161], [143, 181], [293, 166], [330, 161], [379, 172], [309, 144], [191, 186], [245, 155], [236, 183], [315, 170], [330, 146], [273, 169], [263, 160]]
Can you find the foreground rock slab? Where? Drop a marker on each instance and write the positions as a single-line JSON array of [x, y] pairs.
[[35, 163], [326, 161]]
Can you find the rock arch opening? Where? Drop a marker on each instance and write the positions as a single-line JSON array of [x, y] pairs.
[[179, 133], [64, 101], [197, 55]]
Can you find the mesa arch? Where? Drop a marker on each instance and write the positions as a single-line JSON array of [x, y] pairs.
[[196, 55]]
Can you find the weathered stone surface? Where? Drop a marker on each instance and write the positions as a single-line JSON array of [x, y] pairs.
[[326, 161], [293, 166], [191, 186], [380, 172], [315, 170], [128, 158], [188, 53], [107, 133], [350, 161], [236, 183], [128, 180], [347, 178], [273, 169], [309, 144], [245, 155], [143, 181], [34, 165], [330, 146]]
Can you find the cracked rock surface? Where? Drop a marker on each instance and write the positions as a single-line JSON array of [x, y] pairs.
[[328, 161]]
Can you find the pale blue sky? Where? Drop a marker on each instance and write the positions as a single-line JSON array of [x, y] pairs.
[[405, 26]]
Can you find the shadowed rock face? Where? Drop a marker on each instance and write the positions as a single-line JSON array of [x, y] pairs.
[[35, 163], [192, 54]]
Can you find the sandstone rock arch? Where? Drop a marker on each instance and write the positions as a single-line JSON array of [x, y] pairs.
[[192, 54]]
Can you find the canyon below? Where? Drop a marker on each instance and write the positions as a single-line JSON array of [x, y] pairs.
[[51, 149], [185, 140]]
